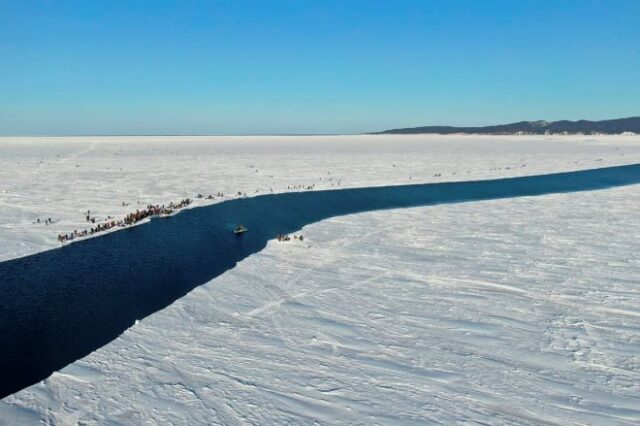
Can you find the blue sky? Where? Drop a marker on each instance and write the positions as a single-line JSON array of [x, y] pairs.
[[264, 67]]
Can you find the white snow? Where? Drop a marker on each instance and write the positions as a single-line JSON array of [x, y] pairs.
[[519, 311], [62, 178]]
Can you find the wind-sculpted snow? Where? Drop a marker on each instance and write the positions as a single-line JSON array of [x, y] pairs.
[[59, 305]]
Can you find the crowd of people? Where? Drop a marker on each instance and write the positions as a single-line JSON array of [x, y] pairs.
[[157, 210], [150, 211], [285, 237], [162, 210], [129, 219], [307, 187]]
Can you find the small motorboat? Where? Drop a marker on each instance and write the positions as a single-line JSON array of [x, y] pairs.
[[240, 229]]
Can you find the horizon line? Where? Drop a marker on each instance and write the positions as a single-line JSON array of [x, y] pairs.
[[176, 134]]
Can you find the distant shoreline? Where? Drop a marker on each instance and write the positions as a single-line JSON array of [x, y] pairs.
[[337, 135], [619, 126]]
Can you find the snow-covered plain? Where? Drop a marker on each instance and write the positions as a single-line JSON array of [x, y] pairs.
[[62, 178], [509, 311]]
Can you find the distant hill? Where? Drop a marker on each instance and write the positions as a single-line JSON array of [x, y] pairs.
[[607, 127]]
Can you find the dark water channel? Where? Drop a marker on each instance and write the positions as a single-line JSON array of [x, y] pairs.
[[59, 305]]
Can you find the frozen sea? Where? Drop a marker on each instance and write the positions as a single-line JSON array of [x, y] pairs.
[[514, 311]]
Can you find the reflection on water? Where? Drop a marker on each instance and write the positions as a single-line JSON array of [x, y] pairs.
[[58, 306]]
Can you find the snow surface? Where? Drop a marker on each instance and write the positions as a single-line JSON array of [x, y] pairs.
[[518, 311], [62, 178]]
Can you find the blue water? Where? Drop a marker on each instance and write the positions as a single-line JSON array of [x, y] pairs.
[[58, 306]]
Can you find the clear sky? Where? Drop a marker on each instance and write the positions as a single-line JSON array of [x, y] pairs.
[[321, 66]]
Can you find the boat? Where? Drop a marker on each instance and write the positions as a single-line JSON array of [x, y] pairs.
[[240, 229]]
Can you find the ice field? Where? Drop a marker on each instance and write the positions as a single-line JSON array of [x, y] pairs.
[[62, 178], [514, 311]]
